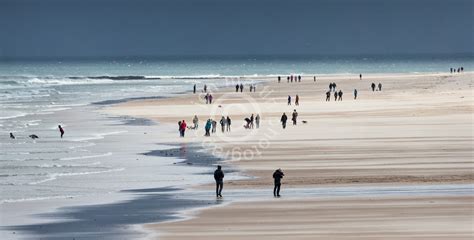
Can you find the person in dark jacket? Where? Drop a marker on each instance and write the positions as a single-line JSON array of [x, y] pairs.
[[277, 176], [61, 130], [283, 120], [219, 177]]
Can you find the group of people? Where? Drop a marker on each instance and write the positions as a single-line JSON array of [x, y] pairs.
[[297, 100], [292, 78], [34, 136], [251, 120], [459, 69], [374, 87], [337, 95], [211, 125], [219, 178], [208, 97], [284, 118], [203, 90]]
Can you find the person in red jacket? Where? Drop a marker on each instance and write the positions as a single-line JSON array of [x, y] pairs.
[[182, 128]]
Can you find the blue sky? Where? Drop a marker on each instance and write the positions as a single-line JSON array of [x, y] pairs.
[[114, 28]]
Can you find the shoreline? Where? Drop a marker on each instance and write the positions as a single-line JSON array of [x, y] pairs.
[[181, 100]]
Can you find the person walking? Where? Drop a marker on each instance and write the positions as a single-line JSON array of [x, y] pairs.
[[380, 86], [229, 121], [257, 121], [61, 130], [219, 177], [182, 128], [294, 117], [195, 122], [237, 87], [340, 95], [279, 79], [328, 96], [289, 100], [210, 98], [207, 127], [277, 176], [241, 87], [252, 118], [335, 95], [283, 120], [194, 89], [205, 88], [297, 100], [373, 87], [360, 76], [355, 94], [223, 121], [214, 126]]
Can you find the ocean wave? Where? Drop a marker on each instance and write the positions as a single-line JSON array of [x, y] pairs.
[[54, 176], [35, 199], [86, 157]]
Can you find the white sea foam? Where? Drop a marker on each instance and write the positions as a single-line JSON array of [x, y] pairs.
[[86, 157], [54, 176]]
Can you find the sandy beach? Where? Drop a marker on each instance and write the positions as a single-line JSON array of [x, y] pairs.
[[417, 130]]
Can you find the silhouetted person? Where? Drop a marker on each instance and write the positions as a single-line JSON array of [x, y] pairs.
[[223, 122], [451, 69], [229, 121], [61, 130], [289, 100], [340, 95], [283, 120], [299, 78], [294, 117], [334, 86], [462, 69], [219, 177], [210, 98], [252, 118], [237, 88], [257, 121], [335, 95], [205, 88], [291, 78], [297, 100], [12, 136], [279, 79], [314, 78], [241, 87], [360, 76], [328, 96], [194, 89], [373, 87], [355, 93], [288, 79], [380, 86], [277, 176]]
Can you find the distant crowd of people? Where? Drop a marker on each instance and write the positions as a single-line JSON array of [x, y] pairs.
[[297, 100], [209, 127], [458, 70]]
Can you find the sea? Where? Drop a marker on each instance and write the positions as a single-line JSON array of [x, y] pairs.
[[101, 154]]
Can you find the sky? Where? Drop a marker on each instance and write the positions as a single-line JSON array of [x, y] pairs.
[[124, 28]]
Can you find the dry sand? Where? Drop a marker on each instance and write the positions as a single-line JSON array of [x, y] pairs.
[[418, 129]]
